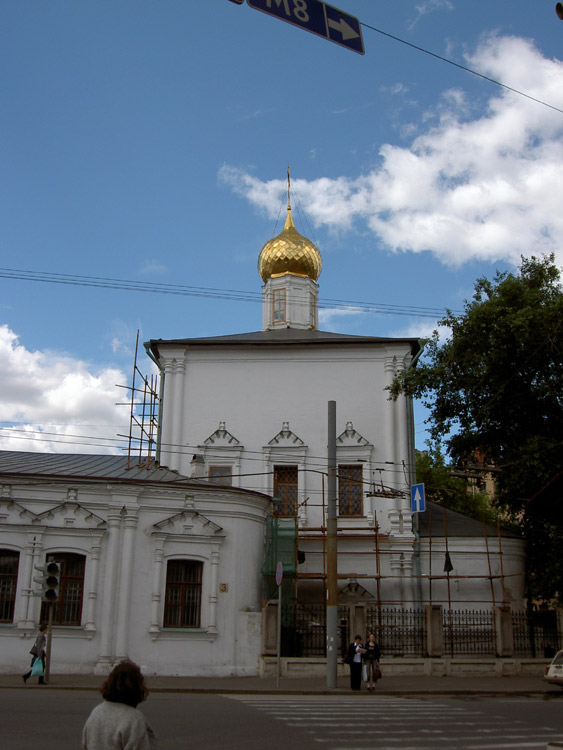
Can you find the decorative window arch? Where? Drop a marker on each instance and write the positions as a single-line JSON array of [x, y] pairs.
[[284, 472], [186, 564], [222, 454], [354, 455]]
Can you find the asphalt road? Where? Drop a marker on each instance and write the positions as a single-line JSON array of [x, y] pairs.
[[52, 720]]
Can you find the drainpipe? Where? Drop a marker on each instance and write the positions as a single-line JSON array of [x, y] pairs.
[[151, 356]]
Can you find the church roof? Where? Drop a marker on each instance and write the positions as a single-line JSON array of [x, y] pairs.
[[83, 465], [89, 467], [283, 337], [459, 525]]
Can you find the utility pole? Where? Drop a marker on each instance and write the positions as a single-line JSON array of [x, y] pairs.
[[331, 556], [49, 639]]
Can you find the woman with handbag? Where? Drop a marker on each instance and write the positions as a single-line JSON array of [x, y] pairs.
[[354, 659], [371, 661], [37, 652]]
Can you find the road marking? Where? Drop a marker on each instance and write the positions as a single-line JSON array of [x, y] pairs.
[[401, 723]]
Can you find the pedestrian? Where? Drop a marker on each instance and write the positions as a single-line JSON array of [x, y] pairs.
[[38, 651], [354, 659], [371, 660], [116, 723]]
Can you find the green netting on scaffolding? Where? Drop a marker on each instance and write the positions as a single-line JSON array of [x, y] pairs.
[[281, 546]]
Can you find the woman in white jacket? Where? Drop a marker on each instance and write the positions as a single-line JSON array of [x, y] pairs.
[[116, 724]]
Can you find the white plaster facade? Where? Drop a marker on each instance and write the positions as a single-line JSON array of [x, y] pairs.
[[127, 531]]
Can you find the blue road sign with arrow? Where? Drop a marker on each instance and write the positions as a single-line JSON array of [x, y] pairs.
[[418, 499], [318, 18]]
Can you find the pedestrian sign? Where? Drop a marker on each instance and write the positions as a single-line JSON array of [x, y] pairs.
[[418, 499]]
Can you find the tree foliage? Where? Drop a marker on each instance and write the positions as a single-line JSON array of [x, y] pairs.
[[495, 386], [443, 487]]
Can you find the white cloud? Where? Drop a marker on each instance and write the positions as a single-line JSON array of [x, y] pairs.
[[473, 185], [329, 314], [420, 328], [152, 267], [51, 402], [429, 6]]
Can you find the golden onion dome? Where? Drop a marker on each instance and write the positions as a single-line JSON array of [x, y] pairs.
[[291, 253]]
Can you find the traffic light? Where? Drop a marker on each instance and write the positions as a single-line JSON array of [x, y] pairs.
[[50, 581], [559, 10]]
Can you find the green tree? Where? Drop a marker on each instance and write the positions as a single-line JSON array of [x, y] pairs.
[[495, 386], [442, 486]]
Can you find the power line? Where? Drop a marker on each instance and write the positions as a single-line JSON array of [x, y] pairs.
[[184, 449], [101, 282], [461, 67]]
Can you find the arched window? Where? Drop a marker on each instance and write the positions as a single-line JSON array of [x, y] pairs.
[[68, 609], [182, 606], [9, 562]]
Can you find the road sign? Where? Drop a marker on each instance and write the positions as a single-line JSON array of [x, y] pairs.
[[279, 573], [418, 499], [318, 18]]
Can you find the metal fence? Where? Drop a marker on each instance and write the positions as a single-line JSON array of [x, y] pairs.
[[399, 632], [469, 632], [303, 630], [402, 632], [536, 633]]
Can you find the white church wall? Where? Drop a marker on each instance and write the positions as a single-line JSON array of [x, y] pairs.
[[470, 578], [126, 547], [254, 390]]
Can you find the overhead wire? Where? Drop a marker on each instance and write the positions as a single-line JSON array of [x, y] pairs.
[[314, 462], [460, 66], [101, 282]]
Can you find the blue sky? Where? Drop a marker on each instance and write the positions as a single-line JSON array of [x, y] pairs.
[[148, 141]]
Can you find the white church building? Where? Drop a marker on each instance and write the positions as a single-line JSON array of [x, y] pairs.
[[167, 563]]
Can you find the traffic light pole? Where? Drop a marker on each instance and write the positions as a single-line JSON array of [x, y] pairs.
[[49, 636]]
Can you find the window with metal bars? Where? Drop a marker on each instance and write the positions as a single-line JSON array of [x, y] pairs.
[[285, 490], [67, 610], [9, 562], [350, 491], [182, 606]]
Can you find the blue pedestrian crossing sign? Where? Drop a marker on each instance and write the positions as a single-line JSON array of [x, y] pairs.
[[418, 499]]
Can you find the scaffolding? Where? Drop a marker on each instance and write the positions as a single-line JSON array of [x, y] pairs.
[[143, 402], [281, 546], [426, 546]]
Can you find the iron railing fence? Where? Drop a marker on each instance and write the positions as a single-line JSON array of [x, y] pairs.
[[469, 632], [536, 633], [402, 632], [399, 632], [304, 629]]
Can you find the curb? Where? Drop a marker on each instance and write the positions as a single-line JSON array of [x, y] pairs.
[[298, 691]]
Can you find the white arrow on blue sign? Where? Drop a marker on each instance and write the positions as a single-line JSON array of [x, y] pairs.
[[318, 18], [418, 499]]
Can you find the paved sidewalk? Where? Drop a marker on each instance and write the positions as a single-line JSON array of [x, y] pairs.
[[398, 685]]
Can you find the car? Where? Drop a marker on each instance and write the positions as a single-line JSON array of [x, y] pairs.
[[554, 672]]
